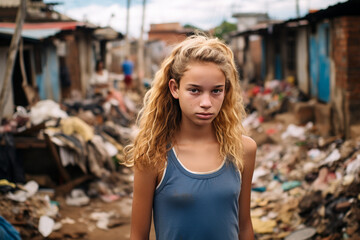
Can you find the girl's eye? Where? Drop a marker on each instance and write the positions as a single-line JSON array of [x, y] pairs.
[[217, 91], [193, 90]]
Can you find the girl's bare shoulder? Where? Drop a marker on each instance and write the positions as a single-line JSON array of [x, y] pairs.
[[249, 144], [250, 147]]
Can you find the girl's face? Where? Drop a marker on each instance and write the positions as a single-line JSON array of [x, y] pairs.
[[201, 93]]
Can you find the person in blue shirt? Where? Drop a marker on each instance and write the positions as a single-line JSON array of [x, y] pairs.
[[128, 67], [193, 163]]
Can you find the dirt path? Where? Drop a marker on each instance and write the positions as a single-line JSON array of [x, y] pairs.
[[85, 228]]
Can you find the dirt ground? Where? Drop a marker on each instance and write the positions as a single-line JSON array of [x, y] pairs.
[[85, 228]]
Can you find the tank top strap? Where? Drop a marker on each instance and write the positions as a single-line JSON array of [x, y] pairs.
[[168, 171]]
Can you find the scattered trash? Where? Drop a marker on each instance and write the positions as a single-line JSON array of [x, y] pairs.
[[46, 225], [290, 185], [305, 185], [77, 197], [67, 220], [102, 219], [301, 234], [28, 190], [45, 110]]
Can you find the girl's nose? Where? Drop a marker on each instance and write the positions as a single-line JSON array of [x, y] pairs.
[[205, 101]]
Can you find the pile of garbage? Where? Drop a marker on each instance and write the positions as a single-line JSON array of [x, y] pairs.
[[87, 136], [305, 186], [28, 211], [89, 133], [306, 183]]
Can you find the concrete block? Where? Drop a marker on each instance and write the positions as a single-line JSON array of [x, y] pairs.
[[304, 112], [323, 119], [355, 131], [286, 118]]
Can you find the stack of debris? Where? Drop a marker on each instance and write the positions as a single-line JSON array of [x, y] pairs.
[[31, 212], [84, 138], [306, 183]]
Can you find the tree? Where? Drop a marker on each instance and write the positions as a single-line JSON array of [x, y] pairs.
[[224, 28], [192, 27]]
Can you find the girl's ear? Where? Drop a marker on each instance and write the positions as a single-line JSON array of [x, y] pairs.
[[174, 88]]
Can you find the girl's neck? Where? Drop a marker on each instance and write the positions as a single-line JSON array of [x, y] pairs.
[[188, 134]]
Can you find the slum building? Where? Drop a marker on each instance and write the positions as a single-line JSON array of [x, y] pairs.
[[318, 53]]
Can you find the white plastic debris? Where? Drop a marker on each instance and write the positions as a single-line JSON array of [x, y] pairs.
[[111, 149], [314, 153], [51, 210], [301, 234], [259, 173], [310, 167], [67, 220], [348, 179], [251, 121], [44, 110], [30, 188], [125, 207], [46, 225], [57, 226], [294, 131], [77, 198], [333, 157], [354, 166], [102, 219]]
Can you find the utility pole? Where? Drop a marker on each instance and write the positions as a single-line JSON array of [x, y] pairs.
[[140, 53], [297, 9], [20, 18], [127, 45]]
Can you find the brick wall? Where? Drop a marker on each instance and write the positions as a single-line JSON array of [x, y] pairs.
[[169, 37], [170, 33], [346, 56]]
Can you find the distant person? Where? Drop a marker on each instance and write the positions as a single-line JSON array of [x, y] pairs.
[[128, 68], [193, 162], [100, 78]]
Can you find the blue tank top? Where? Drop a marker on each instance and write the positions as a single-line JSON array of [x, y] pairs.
[[197, 206]]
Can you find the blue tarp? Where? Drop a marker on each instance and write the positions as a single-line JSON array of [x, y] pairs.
[[7, 231]]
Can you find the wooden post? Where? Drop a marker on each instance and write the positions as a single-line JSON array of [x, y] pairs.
[[20, 18], [297, 9], [127, 44], [62, 171], [140, 53]]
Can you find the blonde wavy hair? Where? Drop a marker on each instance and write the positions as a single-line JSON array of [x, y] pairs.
[[160, 117]]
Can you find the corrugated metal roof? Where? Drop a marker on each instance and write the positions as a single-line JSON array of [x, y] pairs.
[[9, 3], [16, 3], [36, 34], [41, 30], [47, 25]]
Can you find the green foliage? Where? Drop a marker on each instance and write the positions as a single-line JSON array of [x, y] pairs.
[[224, 28], [192, 27]]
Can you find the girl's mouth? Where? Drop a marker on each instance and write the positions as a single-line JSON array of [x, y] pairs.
[[204, 116]]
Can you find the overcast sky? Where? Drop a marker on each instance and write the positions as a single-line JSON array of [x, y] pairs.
[[205, 14]]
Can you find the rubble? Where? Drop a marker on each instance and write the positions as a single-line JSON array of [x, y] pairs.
[[306, 183], [85, 139]]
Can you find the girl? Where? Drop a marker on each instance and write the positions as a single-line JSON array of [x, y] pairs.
[[193, 165]]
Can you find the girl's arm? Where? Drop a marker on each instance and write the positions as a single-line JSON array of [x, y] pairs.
[[246, 231], [144, 187]]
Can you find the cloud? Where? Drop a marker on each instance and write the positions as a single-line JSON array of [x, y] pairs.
[[201, 13], [204, 14]]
